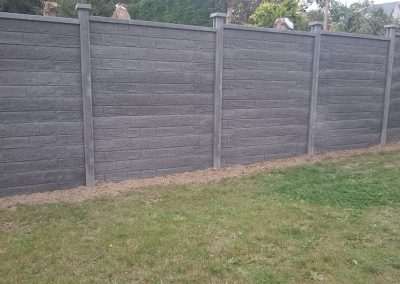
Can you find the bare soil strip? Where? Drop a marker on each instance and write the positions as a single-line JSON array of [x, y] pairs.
[[110, 189]]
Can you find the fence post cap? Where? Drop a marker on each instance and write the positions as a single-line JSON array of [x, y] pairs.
[[81, 6], [218, 15], [391, 26], [316, 26], [316, 23]]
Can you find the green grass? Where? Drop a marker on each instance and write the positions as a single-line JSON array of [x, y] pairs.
[[332, 221]]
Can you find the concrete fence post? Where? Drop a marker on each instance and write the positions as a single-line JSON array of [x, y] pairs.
[[83, 13], [390, 32], [218, 23], [316, 27]]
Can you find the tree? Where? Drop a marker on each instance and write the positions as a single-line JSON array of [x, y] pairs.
[[99, 7], [375, 21], [66, 7], [315, 15], [21, 6], [241, 10], [192, 12], [267, 12], [360, 17]]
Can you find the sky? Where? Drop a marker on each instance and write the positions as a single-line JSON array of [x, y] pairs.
[[348, 2]]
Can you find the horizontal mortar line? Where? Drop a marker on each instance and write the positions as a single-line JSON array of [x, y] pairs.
[[160, 106], [362, 136], [272, 40], [338, 120], [157, 48], [350, 112], [151, 24], [265, 132], [364, 107], [354, 50], [40, 122], [373, 135], [364, 36], [5, 15], [261, 70], [60, 33], [37, 85], [300, 142], [143, 70], [182, 95], [151, 116], [352, 60], [272, 71], [261, 126], [74, 168], [283, 145], [152, 59], [271, 60], [39, 45], [322, 104], [265, 90], [58, 72], [194, 135], [324, 130], [268, 30], [260, 50], [328, 69], [332, 148], [346, 144], [305, 99], [49, 183], [148, 36], [288, 135], [350, 120], [267, 45], [254, 126], [256, 108], [267, 117], [41, 59], [266, 80], [249, 54], [138, 71], [349, 78], [267, 50], [272, 135], [47, 71]]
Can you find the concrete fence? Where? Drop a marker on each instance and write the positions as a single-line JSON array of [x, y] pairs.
[[102, 99]]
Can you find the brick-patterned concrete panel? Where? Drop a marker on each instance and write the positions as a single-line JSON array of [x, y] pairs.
[[152, 100], [40, 106], [350, 92], [266, 93]]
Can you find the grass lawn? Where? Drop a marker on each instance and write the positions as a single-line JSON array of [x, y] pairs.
[[332, 221]]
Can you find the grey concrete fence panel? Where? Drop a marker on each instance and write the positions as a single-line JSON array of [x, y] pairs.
[[93, 99]]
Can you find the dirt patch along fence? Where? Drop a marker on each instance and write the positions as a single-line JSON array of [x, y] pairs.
[[102, 99]]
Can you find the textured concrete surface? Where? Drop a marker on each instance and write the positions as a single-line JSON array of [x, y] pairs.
[[350, 93], [153, 98], [41, 131]]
